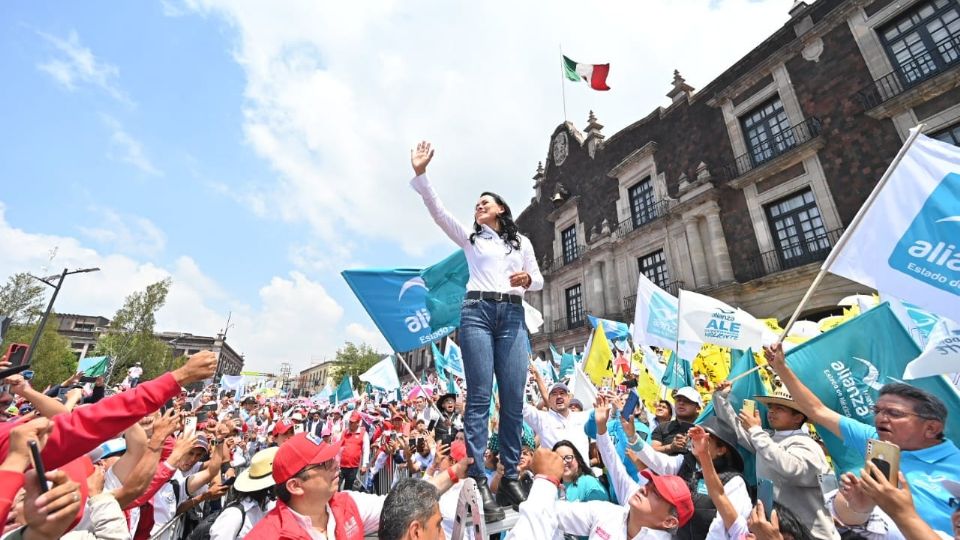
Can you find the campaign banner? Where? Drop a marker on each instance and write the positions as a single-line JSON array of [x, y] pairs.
[[395, 298], [907, 242]]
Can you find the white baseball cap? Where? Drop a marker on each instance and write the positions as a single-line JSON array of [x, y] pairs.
[[691, 394]]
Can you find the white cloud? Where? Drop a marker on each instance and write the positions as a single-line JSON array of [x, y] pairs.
[[294, 319], [75, 64], [359, 333], [125, 148], [131, 235], [337, 92]]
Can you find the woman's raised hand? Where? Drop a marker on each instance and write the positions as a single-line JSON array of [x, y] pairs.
[[420, 157]]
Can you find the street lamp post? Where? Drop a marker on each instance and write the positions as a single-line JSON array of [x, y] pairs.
[[46, 314]]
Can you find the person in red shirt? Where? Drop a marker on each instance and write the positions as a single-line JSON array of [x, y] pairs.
[[356, 451], [82, 430], [307, 472]]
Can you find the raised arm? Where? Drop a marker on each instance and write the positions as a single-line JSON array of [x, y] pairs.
[[419, 159], [806, 401], [622, 483], [715, 489]]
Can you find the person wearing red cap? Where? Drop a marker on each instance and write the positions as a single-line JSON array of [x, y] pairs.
[[356, 451], [282, 432], [310, 505], [653, 509]]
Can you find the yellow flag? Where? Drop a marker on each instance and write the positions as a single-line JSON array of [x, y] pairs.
[[647, 388], [599, 362]]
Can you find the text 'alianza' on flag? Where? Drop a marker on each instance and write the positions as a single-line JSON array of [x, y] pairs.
[[594, 74], [904, 240]]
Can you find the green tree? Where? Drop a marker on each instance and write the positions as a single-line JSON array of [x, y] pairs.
[[353, 360], [22, 299], [130, 338], [53, 360]]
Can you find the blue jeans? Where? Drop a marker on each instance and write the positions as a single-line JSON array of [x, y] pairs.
[[493, 340]]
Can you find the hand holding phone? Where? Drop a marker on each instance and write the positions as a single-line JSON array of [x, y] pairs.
[[38, 466], [749, 407], [190, 426], [630, 405], [765, 495], [886, 457]]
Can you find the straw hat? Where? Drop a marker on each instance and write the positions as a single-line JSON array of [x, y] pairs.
[[260, 474], [781, 396]]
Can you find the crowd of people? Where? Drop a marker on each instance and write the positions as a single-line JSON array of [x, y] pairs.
[[151, 459], [156, 461]]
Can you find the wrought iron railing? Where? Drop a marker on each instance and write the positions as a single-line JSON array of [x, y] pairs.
[[578, 320], [650, 214], [569, 257], [630, 302], [805, 251], [776, 146], [912, 73]]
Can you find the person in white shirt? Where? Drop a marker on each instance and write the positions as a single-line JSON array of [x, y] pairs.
[[493, 333], [254, 487], [187, 488], [652, 512], [558, 423], [134, 374]]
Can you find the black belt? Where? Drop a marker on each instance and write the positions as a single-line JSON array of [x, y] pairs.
[[495, 296]]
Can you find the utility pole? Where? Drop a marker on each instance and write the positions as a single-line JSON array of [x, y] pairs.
[[46, 314]]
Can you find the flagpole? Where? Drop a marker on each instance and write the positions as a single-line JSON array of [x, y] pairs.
[[416, 380], [835, 251], [852, 227], [563, 87]]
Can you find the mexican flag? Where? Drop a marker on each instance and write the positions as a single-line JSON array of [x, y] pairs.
[[595, 74]]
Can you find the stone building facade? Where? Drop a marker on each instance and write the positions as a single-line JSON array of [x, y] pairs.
[[83, 331], [740, 190]]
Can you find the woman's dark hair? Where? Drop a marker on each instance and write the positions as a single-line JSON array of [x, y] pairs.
[[729, 461], [508, 229], [790, 525], [583, 466]]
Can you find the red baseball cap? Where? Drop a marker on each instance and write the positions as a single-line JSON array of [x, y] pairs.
[[675, 491], [302, 450], [282, 427], [458, 450]]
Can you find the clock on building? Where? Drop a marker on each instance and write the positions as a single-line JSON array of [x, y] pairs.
[[559, 148]]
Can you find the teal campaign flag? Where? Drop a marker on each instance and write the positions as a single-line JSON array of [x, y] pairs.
[[677, 374], [614, 330], [446, 284], [847, 366], [344, 391], [556, 356], [744, 388], [567, 361], [454, 359], [93, 366], [439, 362], [452, 386], [395, 298]]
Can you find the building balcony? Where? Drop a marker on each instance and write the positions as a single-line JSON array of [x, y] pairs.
[[630, 302], [769, 150], [566, 259], [579, 320], [656, 211], [814, 249], [909, 84]]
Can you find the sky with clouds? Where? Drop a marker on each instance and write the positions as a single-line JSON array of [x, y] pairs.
[[252, 150]]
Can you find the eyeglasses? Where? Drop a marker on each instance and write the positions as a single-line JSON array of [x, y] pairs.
[[894, 414], [568, 459], [331, 465]]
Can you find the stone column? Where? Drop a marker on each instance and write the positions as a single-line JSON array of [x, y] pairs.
[[701, 275], [718, 247]]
